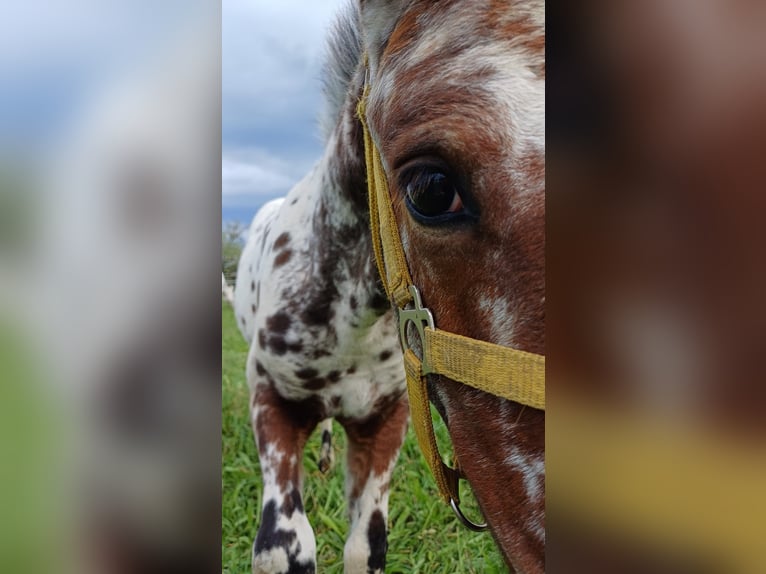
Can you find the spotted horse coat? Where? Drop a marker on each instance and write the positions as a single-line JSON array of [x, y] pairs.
[[456, 108], [323, 340]]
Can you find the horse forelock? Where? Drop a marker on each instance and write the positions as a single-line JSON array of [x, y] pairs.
[[343, 53]]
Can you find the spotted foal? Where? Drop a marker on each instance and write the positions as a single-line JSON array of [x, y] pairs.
[[323, 340], [456, 108]]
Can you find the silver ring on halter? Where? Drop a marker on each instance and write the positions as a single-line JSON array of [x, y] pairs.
[[466, 522]]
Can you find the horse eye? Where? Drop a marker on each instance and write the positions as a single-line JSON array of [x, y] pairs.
[[431, 194]]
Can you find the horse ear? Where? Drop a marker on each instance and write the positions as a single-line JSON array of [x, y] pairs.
[[378, 19]]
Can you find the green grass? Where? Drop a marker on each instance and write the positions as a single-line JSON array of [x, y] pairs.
[[424, 535]]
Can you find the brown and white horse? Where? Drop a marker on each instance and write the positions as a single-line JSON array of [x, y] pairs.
[[456, 107], [457, 110]]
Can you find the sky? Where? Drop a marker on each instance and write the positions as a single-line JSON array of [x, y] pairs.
[[271, 89], [53, 57], [56, 55]]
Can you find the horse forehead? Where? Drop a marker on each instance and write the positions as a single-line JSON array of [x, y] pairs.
[[479, 67], [443, 31]]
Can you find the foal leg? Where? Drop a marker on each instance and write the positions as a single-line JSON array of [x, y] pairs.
[[326, 456], [285, 541], [373, 447]]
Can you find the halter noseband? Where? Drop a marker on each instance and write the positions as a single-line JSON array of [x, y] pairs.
[[502, 371]]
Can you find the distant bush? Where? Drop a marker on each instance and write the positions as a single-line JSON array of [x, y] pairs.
[[232, 243]]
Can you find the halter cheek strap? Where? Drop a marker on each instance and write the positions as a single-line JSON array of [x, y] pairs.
[[509, 373]]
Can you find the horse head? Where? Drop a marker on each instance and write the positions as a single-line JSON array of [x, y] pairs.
[[455, 107]]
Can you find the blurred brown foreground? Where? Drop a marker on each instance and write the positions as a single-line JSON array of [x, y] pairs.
[[656, 318]]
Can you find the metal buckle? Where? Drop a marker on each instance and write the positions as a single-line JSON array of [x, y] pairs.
[[421, 318], [466, 522]]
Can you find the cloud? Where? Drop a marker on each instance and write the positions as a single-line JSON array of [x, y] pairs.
[[248, 178], [272, 56], [37, 36], [55, 56], [271, 94], [256, 172]]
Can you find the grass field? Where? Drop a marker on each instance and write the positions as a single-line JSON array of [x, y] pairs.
[[424, 536]]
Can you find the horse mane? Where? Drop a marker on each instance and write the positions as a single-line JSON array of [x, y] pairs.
[[342, 54]]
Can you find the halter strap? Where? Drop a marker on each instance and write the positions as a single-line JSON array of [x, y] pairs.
[[502, 371]]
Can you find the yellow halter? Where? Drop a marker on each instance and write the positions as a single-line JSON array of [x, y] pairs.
[[509, 373]]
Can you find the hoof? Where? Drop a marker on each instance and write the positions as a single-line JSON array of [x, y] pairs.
[[325, 462], [326, 455], [285, 542]]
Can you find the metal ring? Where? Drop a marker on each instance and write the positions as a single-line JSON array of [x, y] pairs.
[[420, 317], [466, 522]]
